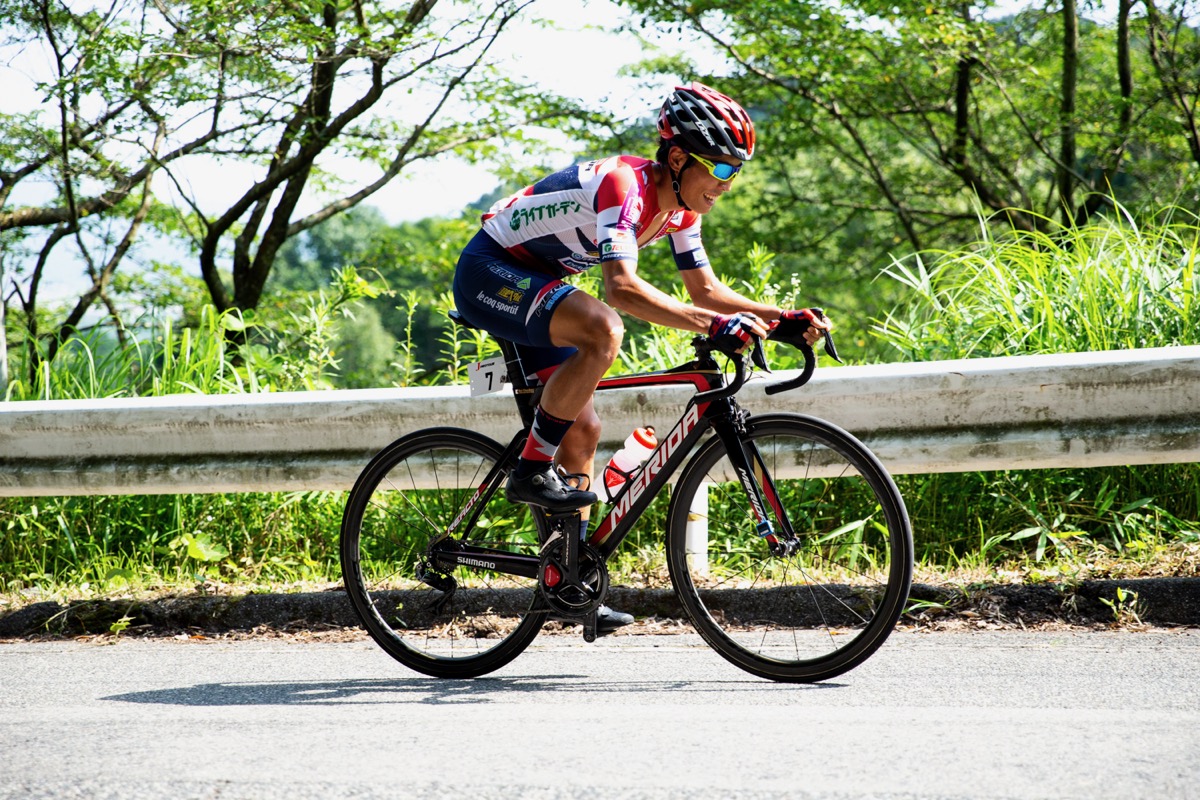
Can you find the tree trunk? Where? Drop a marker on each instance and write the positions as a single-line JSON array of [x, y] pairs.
[[1070, 78], [1176, 83], [3, 333]]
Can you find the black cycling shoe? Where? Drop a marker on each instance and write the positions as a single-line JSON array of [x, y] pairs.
[[607, 620], [548, 490]]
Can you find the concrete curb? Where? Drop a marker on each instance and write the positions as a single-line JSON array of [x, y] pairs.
[[1166, 602]]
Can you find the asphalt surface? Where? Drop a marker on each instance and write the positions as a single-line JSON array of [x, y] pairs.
[[979, 715], [1154, 602]]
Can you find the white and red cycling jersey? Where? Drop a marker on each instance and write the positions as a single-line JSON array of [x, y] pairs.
[[590, 213]]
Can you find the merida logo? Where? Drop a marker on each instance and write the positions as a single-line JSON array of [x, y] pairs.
[[655, 464], [475, 562], [750, 490]]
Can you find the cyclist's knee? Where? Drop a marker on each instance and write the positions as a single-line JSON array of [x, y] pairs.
[[590, 326], [605, 332]]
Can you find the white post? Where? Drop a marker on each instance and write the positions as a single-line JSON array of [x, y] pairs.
[[695, 540]]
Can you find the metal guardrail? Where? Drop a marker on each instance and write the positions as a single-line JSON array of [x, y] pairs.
[[1023, 412]]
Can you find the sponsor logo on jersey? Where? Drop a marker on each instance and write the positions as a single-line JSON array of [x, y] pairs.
[[631, 211], [511, 295], [501, 271], [495, 303], [578, 262], [548, 298], [525, 216], [617, 249]]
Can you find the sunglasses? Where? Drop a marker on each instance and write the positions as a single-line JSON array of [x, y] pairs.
[[719, 170]]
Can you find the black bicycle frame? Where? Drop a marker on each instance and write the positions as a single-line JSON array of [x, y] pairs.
[[711, 408]]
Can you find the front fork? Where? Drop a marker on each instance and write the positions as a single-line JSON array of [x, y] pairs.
[[757, 483]]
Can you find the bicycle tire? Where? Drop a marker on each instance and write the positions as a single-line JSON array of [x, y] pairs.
[[825, 608], [408, 496]]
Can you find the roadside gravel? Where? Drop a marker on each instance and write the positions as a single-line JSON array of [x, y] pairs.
[[1125, 604]]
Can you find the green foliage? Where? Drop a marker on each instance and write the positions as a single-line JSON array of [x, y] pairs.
[[1119, 284], [136, 97], [414, 260], [290, 350], [1137, 279], [881, 126], [867, 154], [128, 543], [1115, 285]]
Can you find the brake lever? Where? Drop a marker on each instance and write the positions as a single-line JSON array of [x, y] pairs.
[[830, 350], [758, 356], [826, 335]]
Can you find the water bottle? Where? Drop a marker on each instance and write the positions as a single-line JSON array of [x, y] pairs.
[[637, 448]]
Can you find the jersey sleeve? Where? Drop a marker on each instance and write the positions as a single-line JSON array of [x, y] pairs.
[[618, 207], [686, 245]]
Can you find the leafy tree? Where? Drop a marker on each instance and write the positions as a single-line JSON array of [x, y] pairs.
[[414, 260], [273, 96], [928, 112]]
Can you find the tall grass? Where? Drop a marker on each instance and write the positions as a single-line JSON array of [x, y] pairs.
[[1120, 284], [1112, 286], [1117, 284], [125, 542]]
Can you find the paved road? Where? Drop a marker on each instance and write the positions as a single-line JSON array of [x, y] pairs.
[[980, 715]]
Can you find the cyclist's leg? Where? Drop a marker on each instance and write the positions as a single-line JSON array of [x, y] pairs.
[[577, 451], [595, 331], [536, 309], [514, 302], [576, 455]]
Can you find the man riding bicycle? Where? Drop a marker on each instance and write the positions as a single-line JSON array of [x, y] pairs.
[[509, 282]]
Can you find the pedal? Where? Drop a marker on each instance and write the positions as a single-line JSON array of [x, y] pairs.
[[589, 627]]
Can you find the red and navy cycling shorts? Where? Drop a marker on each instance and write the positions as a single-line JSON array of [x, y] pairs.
[[497, 293]]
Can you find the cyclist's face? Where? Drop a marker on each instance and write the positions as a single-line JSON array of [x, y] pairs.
[[701, 190]]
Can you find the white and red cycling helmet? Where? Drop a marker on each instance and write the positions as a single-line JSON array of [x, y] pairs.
[[705, 122]]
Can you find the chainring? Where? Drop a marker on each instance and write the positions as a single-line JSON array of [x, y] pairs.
[[572, 599]]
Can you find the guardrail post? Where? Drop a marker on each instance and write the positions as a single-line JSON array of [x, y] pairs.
[[695, 539]]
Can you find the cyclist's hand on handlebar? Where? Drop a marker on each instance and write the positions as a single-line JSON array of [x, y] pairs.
[[802, 328], [810, 323], [732, 333]]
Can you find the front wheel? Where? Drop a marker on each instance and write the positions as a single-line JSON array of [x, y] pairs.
[[828, 604], [459, 623]]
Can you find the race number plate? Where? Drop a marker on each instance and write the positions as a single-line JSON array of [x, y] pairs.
[[487, 376]]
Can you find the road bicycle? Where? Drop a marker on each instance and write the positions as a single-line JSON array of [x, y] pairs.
[[787, 542]]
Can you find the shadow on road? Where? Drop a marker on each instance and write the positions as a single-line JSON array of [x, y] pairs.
[[420, 690]]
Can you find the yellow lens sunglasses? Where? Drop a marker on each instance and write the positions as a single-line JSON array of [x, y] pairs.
[[719, 170]]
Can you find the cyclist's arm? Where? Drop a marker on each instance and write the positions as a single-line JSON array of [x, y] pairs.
[[703, 286], [627, 291], [709, 292]]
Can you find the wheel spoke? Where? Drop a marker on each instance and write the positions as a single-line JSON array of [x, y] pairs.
[[410, 495], [829, 602]]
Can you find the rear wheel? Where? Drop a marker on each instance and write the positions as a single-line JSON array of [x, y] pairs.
[[457, 623], [826, 606]]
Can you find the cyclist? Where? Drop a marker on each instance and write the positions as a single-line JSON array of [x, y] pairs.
[[509, 281]]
